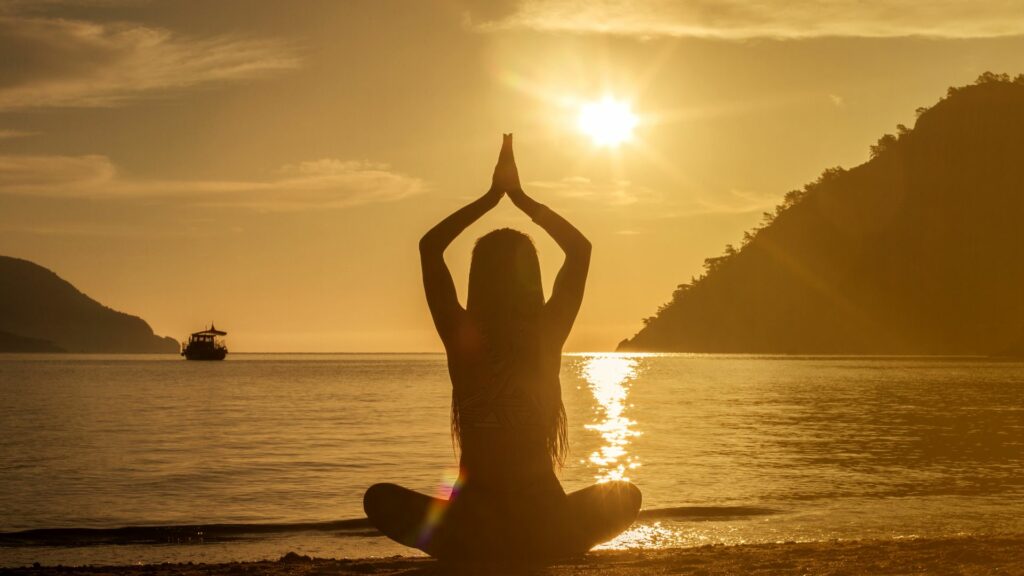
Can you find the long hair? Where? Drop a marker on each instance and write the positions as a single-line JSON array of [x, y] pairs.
[[505, 300]]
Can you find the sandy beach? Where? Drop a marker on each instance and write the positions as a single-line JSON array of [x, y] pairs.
[[965, 555]]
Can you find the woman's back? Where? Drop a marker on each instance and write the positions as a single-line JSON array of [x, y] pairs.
[[506, 403]]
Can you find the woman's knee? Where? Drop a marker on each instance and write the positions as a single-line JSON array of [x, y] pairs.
[[377, 497], [625, 496], [635, 497], [614, 504]]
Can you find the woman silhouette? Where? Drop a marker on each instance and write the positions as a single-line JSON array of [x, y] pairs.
[[504, 355]]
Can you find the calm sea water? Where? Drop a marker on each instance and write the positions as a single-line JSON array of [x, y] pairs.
[[726, 449]]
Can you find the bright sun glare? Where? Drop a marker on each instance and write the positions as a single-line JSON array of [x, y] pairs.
[[608, 122]]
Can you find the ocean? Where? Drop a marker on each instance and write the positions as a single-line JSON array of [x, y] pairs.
[[263, 454]]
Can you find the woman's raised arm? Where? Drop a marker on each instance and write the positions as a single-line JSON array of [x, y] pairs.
[[437, 279], [567, 294]]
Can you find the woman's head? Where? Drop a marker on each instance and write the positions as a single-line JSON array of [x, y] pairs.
[[504, 276]]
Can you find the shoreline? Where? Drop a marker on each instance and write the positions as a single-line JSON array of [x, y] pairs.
[[162, 534], [954, 555]]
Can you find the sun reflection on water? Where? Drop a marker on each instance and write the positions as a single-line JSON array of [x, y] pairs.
[[609, 377], [648, 536]]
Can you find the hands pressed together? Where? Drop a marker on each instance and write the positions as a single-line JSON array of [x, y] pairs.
[[506, 175]]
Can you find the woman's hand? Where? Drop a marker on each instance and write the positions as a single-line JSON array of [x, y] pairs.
[[506, 179], [506, 174]]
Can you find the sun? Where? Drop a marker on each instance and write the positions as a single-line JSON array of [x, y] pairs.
[[608, 122]]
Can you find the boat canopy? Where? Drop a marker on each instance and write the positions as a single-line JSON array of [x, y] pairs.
[[212, 331]]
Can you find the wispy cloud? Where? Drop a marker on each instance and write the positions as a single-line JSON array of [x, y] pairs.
[[617, 194], [22, 6], [613, 194], [54, 62], [733, 202], [317, 184], [54, 175], [10, 134], [742, 19]]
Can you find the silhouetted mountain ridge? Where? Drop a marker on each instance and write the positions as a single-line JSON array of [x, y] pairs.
[[41, 312], [14, 343], [920, 250]]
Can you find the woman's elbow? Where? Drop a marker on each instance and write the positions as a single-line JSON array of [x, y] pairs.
[[584, 247], [579, 252], [428, 244]]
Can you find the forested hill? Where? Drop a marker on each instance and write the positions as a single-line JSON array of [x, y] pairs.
[[41, 312], [920, 250]]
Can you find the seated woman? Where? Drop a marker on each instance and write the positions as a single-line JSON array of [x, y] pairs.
[[504, 355]]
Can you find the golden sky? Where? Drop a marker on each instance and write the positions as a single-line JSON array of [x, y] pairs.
[[271, 165]]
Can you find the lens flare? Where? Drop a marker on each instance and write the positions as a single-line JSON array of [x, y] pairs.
[[447, 491]]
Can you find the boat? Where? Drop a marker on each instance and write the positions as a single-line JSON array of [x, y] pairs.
[[206, 345]]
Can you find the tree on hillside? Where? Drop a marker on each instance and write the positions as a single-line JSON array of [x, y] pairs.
[[918, 250]]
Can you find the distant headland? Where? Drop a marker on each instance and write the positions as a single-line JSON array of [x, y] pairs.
[[41, 312], [920, 250]]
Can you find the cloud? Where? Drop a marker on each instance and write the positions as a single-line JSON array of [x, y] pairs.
[[10, 134], [318, 184], [617, 194], [53, 62], [613, 194], [63, 175], [733, 202], [742, 19]]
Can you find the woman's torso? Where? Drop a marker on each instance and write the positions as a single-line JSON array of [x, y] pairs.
[[504, 391]]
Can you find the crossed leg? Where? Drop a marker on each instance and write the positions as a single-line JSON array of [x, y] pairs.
[[603, 511], [478, 526]]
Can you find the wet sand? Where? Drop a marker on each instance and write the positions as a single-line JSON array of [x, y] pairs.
[[967, 555]]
